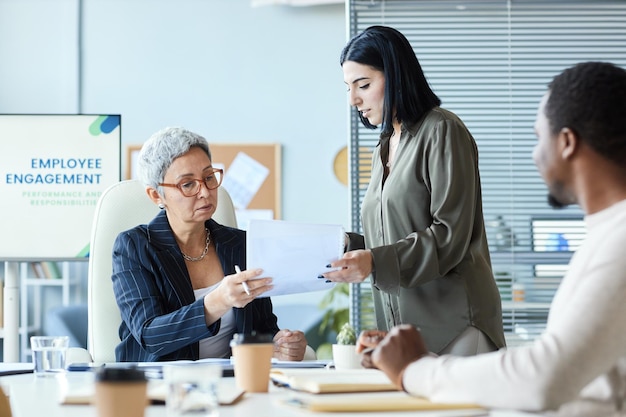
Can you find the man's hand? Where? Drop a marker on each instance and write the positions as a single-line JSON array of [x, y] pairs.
[[399, 348]]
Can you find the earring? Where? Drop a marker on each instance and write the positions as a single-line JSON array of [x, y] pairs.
[[161, 206]]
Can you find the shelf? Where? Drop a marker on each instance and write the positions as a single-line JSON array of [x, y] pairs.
[[525, 320], [521, 305], [531, 258], [21, 330], [44, 282], [31, 302]]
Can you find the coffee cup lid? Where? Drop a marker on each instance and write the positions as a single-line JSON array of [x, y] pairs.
[[120, 375], [254, 337]]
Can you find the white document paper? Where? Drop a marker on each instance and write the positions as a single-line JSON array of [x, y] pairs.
[[293, 254]]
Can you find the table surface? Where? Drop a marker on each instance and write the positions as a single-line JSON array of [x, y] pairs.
[[32, 396]]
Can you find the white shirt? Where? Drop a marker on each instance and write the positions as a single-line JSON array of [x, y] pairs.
[[217, 346], [576, 358]]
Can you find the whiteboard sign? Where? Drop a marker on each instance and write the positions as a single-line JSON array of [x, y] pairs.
[[53, 169]]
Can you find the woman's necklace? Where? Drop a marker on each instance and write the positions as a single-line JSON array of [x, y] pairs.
[[204, 252], [394, 141]]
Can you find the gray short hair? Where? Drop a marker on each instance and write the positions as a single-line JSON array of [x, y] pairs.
[[160, 150]]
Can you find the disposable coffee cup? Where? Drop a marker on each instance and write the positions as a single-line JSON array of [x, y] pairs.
[[121, 392], [252, 354]]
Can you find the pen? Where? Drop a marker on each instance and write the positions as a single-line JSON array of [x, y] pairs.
[[244, 284]]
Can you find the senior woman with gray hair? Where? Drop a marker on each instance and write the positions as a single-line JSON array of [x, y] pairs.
[[175, 278]]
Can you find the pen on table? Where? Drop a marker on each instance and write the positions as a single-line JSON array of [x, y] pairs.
[[244, 284]]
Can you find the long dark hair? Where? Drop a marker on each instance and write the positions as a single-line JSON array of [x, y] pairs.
[[406, 88]]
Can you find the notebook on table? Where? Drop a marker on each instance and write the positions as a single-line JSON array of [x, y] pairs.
[[375, 401], [318, 381], [353, 390]]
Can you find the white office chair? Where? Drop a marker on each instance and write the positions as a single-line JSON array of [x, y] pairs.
[[121, 207]]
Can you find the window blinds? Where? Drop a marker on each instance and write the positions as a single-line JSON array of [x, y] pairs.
[[490, 63]]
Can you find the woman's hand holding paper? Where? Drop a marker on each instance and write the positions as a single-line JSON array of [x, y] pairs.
[[353, 267]]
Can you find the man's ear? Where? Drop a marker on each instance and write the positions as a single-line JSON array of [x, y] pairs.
[[568, 142], [153, 195]]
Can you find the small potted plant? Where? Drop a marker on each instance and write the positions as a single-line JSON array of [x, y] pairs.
[[344, 351]]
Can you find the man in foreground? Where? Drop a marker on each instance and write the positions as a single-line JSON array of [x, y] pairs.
[[577, 365]]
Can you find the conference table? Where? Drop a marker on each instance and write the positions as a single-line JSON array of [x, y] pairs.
[[42, 396]]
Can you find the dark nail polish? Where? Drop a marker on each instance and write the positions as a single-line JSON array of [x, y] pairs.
[[327, 281], [321, 276], [328, 266]]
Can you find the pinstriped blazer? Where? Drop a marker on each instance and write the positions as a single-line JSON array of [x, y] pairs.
[[161, 319]]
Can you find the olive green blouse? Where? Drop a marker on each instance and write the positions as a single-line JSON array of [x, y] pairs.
[[424, 224]]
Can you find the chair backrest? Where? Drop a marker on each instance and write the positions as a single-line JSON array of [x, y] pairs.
[[122, 206]]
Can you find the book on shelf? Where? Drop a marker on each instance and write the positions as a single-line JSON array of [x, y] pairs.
[[46, 269], [53, 268], [38, 270], [45, 266]]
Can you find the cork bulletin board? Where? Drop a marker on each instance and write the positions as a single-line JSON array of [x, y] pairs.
[[268, 196]]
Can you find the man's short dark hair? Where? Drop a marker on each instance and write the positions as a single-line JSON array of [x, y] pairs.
[[590, 99]]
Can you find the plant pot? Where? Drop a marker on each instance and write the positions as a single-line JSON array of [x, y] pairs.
[[346, 357]]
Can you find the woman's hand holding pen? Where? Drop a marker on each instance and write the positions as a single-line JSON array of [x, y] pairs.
[[365, 344], [234, 292], [231, 293], [392, 351], [353, 267]]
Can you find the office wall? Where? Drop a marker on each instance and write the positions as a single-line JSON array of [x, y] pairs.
[[220, 67], [229, 71], [38, 56]]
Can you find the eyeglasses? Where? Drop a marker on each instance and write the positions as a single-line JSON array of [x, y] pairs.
[[190, 188]]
